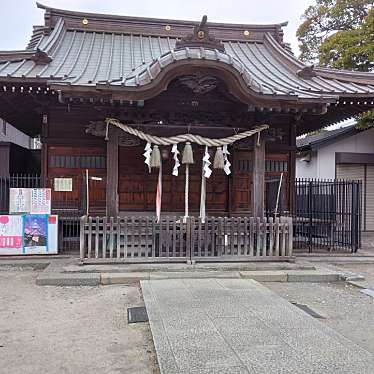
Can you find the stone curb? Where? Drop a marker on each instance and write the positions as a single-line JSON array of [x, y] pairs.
[[176, 268], [122, 278], [265, 276], [292, 276], [96, 279], [61, 279], [25, 264], [195, 275], [316, 276]]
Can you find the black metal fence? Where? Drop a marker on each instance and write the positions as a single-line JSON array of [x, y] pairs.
[[327, 215]]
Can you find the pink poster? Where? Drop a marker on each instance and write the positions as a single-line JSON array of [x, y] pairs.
[[11, 234]]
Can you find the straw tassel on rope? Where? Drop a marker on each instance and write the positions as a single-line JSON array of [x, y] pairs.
[[219, 161], [187, 157], [107, 131], [156, 157]]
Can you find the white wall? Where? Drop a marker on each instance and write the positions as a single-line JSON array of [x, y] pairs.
[[306, 169], [13, 135], [322, 164]]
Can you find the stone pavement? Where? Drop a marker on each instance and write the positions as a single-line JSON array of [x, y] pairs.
[[236, 326]]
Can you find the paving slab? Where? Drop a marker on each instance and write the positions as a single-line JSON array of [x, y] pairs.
[[240, 326]]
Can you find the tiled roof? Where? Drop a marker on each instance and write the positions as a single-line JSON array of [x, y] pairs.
[[324, 136], [90, 58]]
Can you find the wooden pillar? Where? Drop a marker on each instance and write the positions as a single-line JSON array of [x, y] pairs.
[[44, 150], [258, 185], [292, 163], [112, 174]]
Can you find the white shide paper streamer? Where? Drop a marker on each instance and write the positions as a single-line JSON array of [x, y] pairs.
[[225, 152], [175, 152], [147, 155]]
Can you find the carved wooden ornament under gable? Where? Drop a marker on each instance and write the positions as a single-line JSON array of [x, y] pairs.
[[199, 83], [200, 38]]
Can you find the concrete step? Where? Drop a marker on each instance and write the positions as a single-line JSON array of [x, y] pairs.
[[125, 278], [292, 276], [235, 266], [63, 279]]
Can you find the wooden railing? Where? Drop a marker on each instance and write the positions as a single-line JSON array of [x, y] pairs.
[[180, 239]]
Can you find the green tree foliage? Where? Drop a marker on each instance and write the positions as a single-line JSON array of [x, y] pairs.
[[327, 18], [365, 120], [351, 49], [340, 34]]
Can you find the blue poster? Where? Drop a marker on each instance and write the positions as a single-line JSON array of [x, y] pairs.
[[35, 233]]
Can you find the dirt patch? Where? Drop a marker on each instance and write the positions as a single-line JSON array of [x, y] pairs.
[[70, 329]]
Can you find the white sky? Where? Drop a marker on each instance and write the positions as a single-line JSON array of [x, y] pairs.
[[18, 16]]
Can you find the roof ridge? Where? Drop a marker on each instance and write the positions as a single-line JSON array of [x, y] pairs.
[[155, 20]]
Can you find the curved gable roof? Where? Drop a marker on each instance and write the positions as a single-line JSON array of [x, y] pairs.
[[131, 53]]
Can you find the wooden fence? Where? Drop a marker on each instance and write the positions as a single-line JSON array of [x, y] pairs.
[[180, 239]]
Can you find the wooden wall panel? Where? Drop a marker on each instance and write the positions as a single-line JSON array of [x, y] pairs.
[[137, 188], [68, 126], [97, 188], [242, 177]]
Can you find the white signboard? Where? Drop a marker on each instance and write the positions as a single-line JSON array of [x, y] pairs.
[[19, 200], [30, 200], [63, 184], [40, 201]]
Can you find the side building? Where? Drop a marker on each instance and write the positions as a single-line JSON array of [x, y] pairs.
[[19, 153], [346, 153]]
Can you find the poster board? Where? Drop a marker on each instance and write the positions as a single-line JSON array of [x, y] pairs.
[[11, 238], [28, 234], [19, 200], [63, 184], [30, 200], [40, 201]]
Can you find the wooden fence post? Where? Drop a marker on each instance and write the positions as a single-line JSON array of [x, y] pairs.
[[290, 236], [82, 242]]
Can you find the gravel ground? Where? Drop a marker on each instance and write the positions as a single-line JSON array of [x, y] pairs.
[[70, 329], [345, 308]]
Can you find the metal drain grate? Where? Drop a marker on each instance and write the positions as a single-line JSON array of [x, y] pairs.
[[137, 314], [306, 309]]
